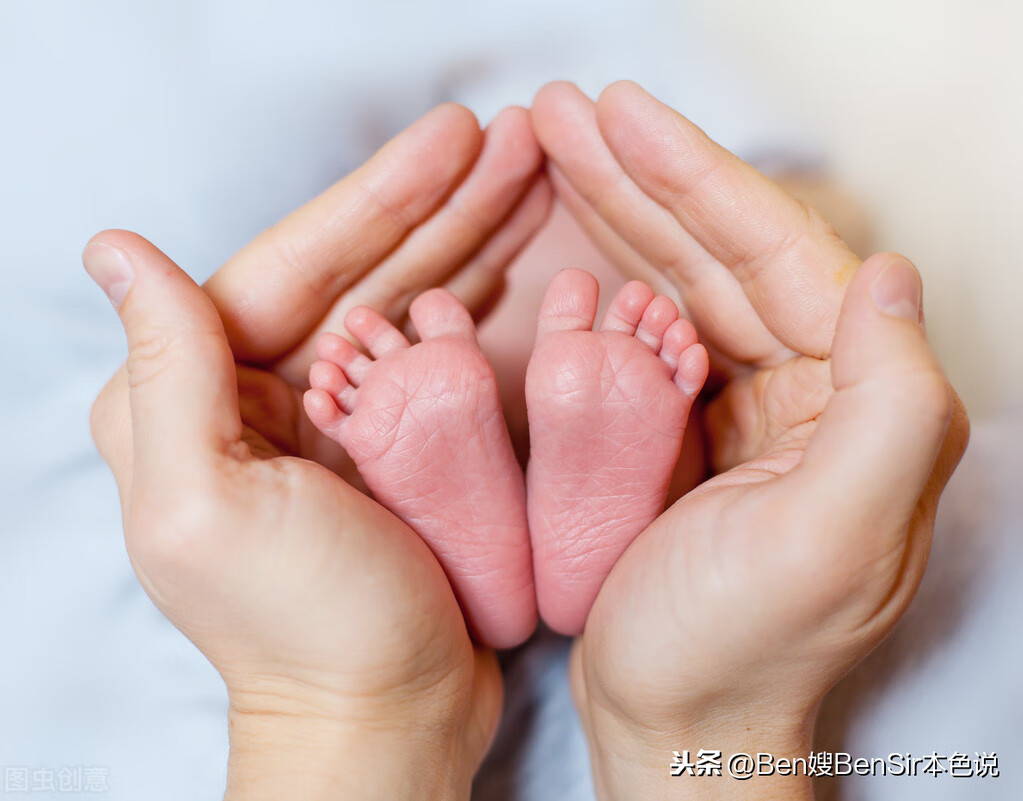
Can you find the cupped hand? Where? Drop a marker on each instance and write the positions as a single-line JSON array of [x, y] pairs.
[[830, 436], [442, 204], [332, 624]]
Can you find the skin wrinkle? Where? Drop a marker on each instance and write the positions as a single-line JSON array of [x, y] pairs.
[[611, 523], [780, 398], [606, 426], [425, 254], [321, 275], [442, 461], [645, 669], [441, 416]]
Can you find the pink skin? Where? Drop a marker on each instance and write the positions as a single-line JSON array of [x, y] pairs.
[[607, 413], [424, 425]]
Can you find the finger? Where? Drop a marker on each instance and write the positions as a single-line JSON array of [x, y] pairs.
[[274, 291], [482, 277], [431, 253], [632, 227], [612, 244], [734, 340], [792, 266], [877, 441], [182, 387]]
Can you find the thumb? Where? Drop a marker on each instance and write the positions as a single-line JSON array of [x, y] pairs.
[[879, 436], [182, 385]]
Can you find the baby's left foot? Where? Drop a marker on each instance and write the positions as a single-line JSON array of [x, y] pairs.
[[424, 425], [607, 411]]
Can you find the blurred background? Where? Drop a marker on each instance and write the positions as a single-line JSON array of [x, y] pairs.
[[916, 105], [198, 124]]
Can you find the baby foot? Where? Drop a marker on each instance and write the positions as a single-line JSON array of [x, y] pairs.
[[607, 411], [424, 425]]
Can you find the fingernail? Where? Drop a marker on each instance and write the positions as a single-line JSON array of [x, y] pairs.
[[110, 268], [896, 291]]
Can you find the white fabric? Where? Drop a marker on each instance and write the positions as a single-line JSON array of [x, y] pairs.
[[199, 123]]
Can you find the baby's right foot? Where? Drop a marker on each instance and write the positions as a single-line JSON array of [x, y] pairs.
[[424, 425], [607, 412]]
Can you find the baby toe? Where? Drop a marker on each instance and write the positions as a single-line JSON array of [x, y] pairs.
[[331, 379], [332, 348], [324, 413], [659, 314], [678, 336], [627, 307], [374, 331], [693, 366]]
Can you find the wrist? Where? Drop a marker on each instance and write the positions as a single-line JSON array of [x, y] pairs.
[[634, 761], [285, 750]]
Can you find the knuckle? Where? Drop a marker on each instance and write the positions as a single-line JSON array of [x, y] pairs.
[[148, 358], [923, 392], [99, 417], [97, 420], [959, 426], [297, 265], [818, 224], [473, 219], [170, 529], [109, 422], [932, 395]]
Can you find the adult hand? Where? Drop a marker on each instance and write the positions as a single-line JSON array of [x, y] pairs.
[[332, 624], [829, 444], [442, 204]]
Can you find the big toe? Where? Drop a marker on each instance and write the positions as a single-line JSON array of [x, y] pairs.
[[570, 303], [438, 313]]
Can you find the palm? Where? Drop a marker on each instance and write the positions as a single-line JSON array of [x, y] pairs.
[[277, 566], [762, 418], [465, 213], [335, 569], [276, 429], [309, 541], [275, 424], [711, 550], [754, 554]]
